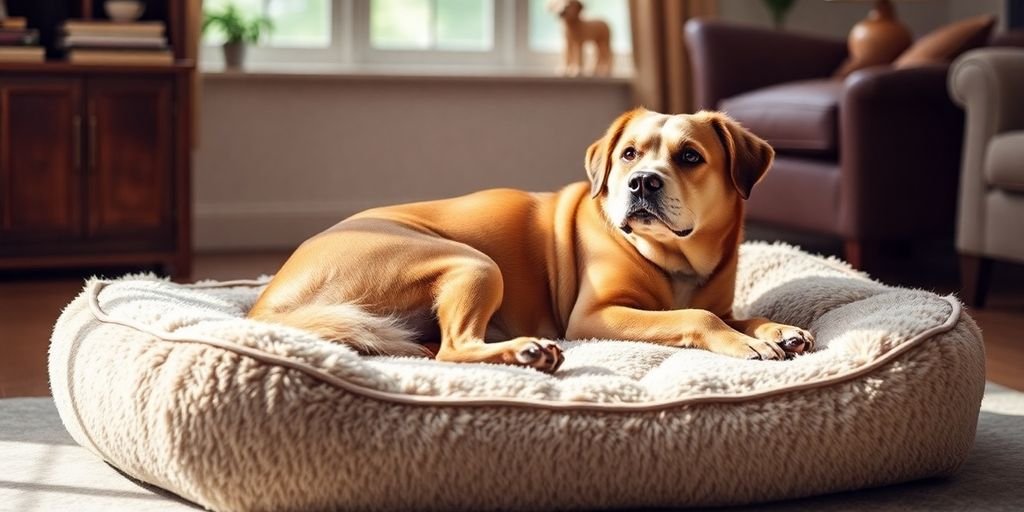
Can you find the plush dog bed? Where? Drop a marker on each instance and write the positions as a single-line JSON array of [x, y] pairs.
[[173, 386]]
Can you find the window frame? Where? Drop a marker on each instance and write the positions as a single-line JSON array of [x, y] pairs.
[[365, 54], [283, 57], [351, 47], [526, 57]]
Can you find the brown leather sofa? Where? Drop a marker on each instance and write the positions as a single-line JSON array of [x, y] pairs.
[[871, 158]]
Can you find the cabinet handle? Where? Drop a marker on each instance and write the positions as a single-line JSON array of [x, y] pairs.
[[92, 141], [76, 134]]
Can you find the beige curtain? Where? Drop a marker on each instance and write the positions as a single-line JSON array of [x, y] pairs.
[[662, 80]]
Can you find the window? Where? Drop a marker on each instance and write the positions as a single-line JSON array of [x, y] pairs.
[[300, 23], [297, 23], [510, 34], [432, 24]]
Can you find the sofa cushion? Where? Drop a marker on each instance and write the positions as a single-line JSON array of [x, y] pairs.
[[796, 117], [1004, 164], [947, 42], [1003, 212], [798, 193]]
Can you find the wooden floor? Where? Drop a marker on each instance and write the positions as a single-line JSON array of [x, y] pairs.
[[29, 305]]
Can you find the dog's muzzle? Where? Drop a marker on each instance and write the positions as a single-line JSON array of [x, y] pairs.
[[645, 203]]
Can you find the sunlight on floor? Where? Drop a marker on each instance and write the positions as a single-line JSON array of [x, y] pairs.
[[1002, 400]]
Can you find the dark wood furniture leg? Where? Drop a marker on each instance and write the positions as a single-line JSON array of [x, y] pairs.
[[975, 277], [854, 253]]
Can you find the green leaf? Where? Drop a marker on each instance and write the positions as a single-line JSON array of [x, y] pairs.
[[779, 10], [235, 26]]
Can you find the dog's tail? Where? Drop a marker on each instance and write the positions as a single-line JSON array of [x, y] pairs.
[[354, 326]]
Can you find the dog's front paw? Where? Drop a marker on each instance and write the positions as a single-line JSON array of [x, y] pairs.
[[793, 340], [545, 356], [745, 347]]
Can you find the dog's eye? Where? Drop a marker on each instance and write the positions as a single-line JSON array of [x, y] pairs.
[[629, 154], [692, 157]]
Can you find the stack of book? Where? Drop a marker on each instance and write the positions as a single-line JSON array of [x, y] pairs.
[[18, 43], [112, 43]]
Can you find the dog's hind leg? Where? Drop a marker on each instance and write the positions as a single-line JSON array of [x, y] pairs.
[[467, 294]]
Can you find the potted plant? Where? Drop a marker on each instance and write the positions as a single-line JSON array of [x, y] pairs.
[[238, 31], [779, 9]]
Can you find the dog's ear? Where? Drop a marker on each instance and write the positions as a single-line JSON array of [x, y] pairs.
[[749, 156], [599, 155]]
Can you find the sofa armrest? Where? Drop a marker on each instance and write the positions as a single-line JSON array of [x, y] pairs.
[[899, 153], [987, 82], [990, 80], [728, 59]]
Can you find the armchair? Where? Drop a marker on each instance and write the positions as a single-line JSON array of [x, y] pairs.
[[870, 158], [988, 83]]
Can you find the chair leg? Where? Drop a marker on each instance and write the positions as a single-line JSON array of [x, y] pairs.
[[975, 277], [855, 251]]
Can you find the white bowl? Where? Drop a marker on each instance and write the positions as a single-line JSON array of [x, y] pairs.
[[124, 10]]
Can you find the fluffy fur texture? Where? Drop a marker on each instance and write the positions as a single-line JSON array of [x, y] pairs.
[[233, 433], [350, 324]]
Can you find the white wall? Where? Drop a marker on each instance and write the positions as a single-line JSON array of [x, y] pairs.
[[281, 158], [835, 18], [959, 9]]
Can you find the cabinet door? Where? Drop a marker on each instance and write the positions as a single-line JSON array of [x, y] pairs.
[[130, 130], [40, 159]]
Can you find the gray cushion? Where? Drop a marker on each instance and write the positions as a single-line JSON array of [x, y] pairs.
[[1004, 164]]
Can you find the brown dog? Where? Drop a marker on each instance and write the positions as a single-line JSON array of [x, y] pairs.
[[646, 251]]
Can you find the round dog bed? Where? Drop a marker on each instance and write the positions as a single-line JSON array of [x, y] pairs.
[[173, 386]]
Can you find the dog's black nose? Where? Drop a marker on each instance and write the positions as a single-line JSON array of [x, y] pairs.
[[643, 183]]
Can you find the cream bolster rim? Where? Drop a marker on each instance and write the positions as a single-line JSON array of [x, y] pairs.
[[95, 287]]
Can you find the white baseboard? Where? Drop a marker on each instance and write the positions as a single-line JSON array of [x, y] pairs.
[[270, 225]]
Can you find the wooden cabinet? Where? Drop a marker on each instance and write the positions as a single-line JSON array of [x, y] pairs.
[[94, 169], [95, 158], [130, 157], [40, 159]]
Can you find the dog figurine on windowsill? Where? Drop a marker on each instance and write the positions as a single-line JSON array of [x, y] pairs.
[[579, 31]]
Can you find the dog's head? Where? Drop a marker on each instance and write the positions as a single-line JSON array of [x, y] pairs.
[[663, 177], [567, 9]]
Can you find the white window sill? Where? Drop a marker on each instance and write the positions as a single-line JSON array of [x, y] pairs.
[[403, 73]]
